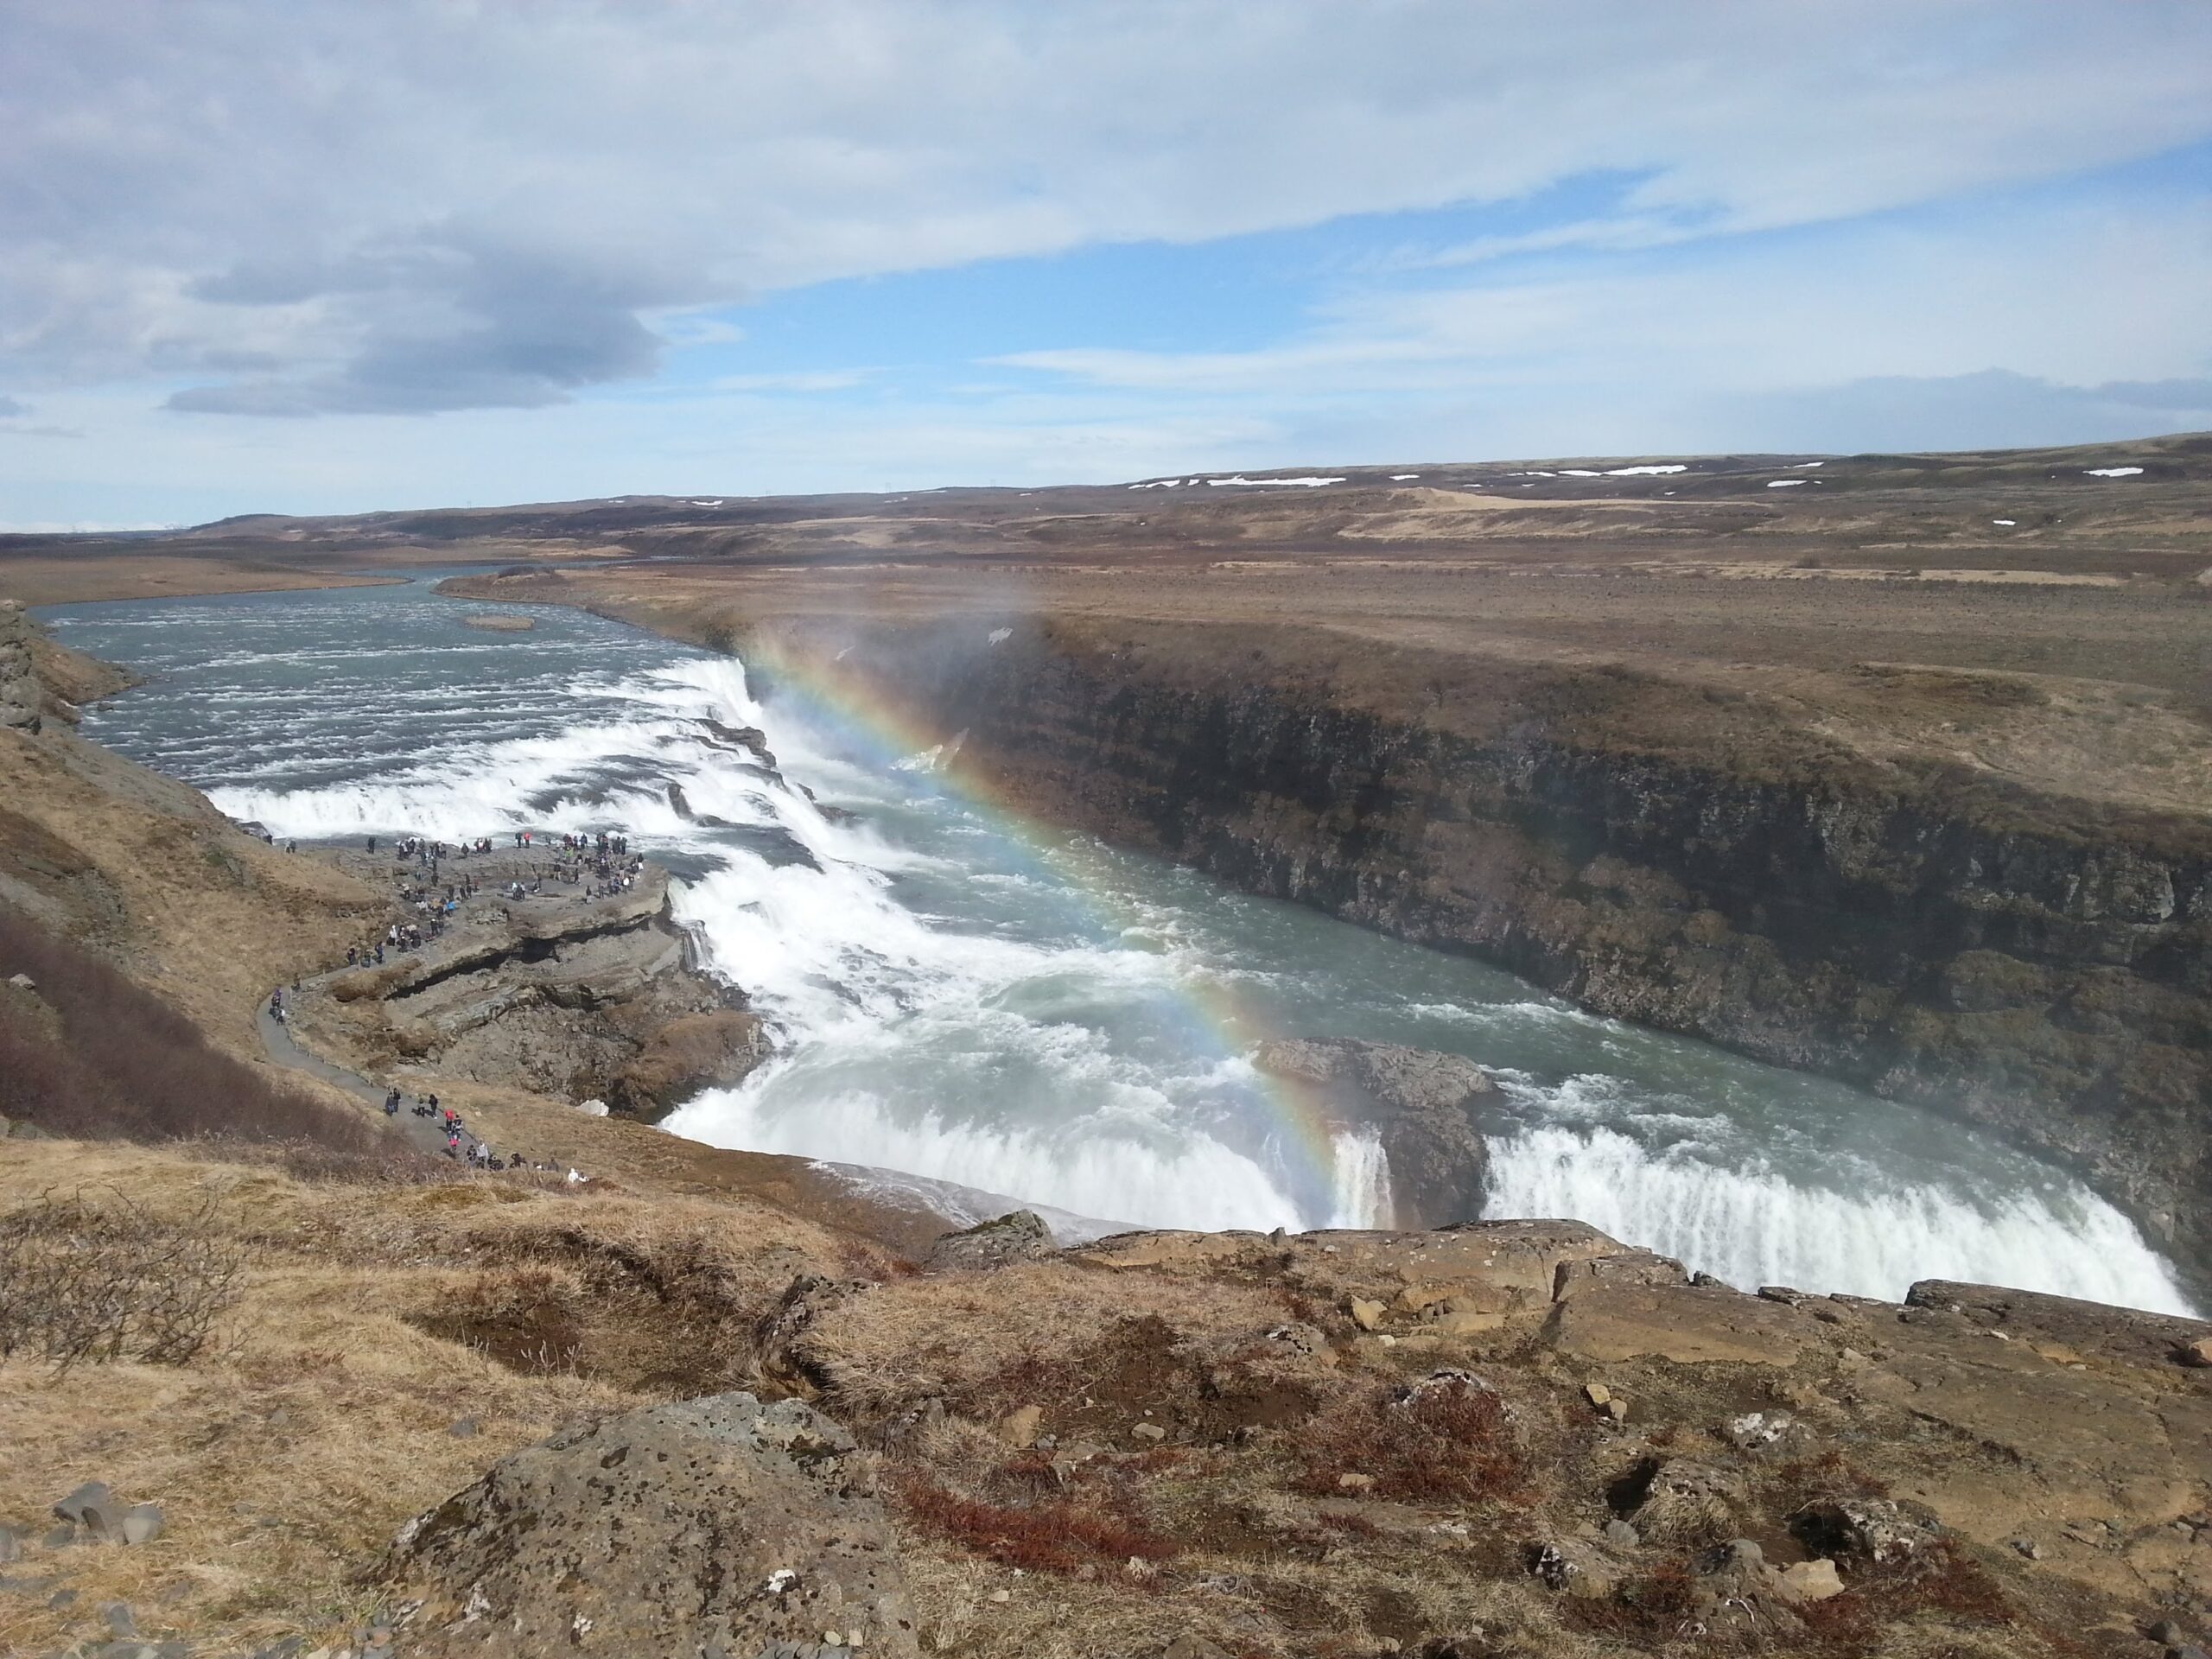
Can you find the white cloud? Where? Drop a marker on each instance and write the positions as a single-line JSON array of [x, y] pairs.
[[2040, 293], [424, 206]]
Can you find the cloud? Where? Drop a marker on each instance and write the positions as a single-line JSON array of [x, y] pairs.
[[450, 326], [13, 408], [418, 206], [2035, 289], [2005, 410]]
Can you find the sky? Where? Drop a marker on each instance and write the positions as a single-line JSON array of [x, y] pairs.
[[258, 255]]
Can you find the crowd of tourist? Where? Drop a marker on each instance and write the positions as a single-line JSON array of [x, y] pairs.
[[602, 864]]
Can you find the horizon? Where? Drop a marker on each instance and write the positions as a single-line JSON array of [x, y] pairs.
[[313, 263], [2117, 446]]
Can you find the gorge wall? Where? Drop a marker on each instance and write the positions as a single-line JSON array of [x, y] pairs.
[[1708, 863]]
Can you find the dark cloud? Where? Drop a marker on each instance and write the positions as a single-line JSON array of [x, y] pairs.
[[440, 328]]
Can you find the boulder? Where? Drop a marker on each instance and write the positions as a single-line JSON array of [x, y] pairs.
[[93, 1510], [1622, 1267], [1022, 1236], [142, 1523], [2091, 1330], [1422, 1103], [718, 1525], [1812, 1580], [1736, 1591], [1577, 1568], [1876, 1529]]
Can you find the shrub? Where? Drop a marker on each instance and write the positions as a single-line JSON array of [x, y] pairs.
[[81, 1281], [115, 1061], [1046, 1537], [1446, 1439]]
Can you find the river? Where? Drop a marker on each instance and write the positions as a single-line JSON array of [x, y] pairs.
[[967, 997]]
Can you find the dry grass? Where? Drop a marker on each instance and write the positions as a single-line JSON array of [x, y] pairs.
[[287, 1460], [1005, 1339]]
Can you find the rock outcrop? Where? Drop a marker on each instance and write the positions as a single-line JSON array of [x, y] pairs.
[[720, 1526], [21, 696], [1021, 1236], [1421, 1102], [579, 999]]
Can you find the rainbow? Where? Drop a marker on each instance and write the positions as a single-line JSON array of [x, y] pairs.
[[1214, 1013]]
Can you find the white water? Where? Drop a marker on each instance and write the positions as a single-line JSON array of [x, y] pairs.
[[951, 1002], [1751, 1227]]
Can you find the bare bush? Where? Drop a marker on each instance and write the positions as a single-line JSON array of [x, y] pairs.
[[88, 1281], [106, 1059]]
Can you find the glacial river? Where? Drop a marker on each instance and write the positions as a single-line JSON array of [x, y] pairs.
[[967, 998]]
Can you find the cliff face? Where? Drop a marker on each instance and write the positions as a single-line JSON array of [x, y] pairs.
[[2037, 964], [572, 1000]]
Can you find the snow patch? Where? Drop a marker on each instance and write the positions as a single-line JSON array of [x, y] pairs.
[[1578, 472], [2112, 472], [1786, 483], [1000, 636], [1647, 472], [2007, 523], [1400, 478], [1297, 483]]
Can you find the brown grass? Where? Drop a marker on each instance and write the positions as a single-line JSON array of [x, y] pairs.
[[1653, 1606], [1940, 1579], [1802, 1482], [1447, 1439], [1048, 1536], [287, 1455]]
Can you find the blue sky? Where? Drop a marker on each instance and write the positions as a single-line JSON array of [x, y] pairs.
[[324, 259]]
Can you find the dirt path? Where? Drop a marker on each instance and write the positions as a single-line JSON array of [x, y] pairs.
[[284, 1049]]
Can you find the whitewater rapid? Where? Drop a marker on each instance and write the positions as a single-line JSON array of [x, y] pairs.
[[967, 1001]]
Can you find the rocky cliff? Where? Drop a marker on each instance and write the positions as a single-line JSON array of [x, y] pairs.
[[566, 996], [1712, 863], [20, 691]]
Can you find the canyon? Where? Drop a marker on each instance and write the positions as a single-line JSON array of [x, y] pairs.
[[1840, 784]]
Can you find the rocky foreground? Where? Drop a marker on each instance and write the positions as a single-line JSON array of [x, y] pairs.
[[488, 1417]]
